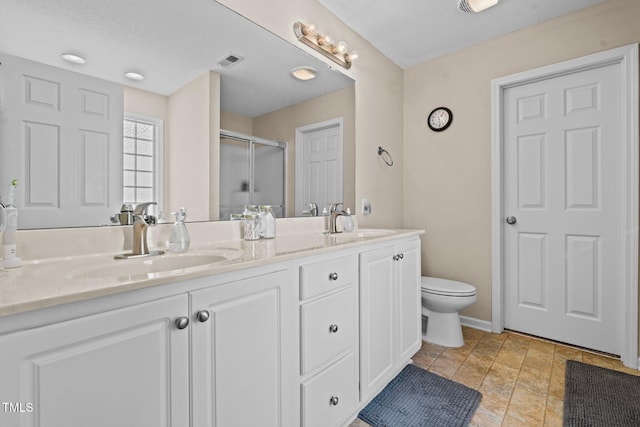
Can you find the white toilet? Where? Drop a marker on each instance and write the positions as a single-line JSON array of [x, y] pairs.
[[441, 301]]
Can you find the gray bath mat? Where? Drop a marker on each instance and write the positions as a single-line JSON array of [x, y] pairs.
[[417, 398], [596, 396]]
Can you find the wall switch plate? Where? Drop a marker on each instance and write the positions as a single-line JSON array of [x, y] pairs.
[[366, 207]]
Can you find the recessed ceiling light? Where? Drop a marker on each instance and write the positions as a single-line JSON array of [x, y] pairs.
[[75, 59], [304, 73], [134, 76]]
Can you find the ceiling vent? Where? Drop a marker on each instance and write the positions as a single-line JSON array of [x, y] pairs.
[[230, 60]]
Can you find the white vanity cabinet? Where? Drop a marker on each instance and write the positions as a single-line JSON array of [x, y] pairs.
[[302, 342], [328, 341], [126, 367], [390, 321], [243, 351]]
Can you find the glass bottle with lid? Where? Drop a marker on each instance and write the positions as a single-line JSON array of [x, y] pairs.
[[267, 221]]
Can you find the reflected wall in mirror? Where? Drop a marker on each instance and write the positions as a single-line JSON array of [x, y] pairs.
[[70, 166]]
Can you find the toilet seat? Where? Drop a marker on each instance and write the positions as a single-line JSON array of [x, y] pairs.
[[444, 287]]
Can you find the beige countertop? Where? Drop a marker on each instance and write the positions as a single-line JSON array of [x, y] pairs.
[[51, 281]]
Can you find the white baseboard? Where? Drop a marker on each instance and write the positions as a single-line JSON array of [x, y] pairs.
[[471, 322]]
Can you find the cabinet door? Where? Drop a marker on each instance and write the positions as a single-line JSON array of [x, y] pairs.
[[377, 331], [408, 318], [244, 364], [127, 367]]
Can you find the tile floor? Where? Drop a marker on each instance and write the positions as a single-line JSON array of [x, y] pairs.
[[521, 378]]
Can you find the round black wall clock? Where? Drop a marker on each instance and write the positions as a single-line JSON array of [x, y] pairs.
[[440, 119]]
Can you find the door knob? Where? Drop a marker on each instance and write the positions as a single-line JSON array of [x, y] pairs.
[[511, 220]]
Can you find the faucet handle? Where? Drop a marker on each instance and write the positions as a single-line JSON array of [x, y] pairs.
[[334, 206], [141, 208]]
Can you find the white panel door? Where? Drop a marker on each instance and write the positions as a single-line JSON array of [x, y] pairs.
[[127, 367], [244, 369], [319, 173], [63, 133], [563, 157]]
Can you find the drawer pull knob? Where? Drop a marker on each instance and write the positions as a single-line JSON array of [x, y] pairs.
[[333, 329], [333, 401], [333, 276], [182, 322], [202, 316]]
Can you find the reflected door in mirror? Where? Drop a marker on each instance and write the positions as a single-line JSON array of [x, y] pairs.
[[61, 138]]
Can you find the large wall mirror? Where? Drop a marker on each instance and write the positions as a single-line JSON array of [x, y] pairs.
[[217, 122]]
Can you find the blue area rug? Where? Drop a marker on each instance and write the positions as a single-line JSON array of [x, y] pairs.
[[417, 398]]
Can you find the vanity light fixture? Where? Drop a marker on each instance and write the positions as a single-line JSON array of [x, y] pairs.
[[134, 76], [73, 58], [304, 73], [475, 6], [337, 52]]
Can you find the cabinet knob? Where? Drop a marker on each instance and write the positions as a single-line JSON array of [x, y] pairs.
[[333, 401], [202, 315], [182, 322], [333, 329], [333, 276], [395, 257], [401, 256]]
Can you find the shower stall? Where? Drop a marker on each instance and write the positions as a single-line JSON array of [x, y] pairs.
[[252, 172]]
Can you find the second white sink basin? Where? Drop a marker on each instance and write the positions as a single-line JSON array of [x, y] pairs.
[[361, 234]]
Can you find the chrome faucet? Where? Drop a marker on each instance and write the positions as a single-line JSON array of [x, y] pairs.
[[333, 217], [141, 222], [313, 209]]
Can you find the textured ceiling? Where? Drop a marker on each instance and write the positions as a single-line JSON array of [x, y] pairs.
[[410, 32]]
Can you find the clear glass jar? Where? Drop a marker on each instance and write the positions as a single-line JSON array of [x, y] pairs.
[[251, 227], [267, 222]]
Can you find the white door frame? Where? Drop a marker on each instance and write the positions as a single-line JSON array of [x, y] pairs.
[[300, 131], [627, 57]]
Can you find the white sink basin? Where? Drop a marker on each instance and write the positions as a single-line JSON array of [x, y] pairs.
[[147, 266], [360, 234], [139, 268]]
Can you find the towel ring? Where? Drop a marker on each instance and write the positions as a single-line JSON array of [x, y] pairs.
[[387, 159]]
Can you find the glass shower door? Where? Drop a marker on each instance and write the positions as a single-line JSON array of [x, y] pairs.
[[234, 176]]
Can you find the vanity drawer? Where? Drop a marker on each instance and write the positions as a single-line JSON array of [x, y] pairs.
[[327, 328], [330, 396], [325, 276]]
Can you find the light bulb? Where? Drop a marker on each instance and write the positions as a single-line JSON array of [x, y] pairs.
[[351, 56], [341, 47], [324, 40], [308, 29]]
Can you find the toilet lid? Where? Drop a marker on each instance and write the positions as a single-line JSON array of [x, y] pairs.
[[435, 285]]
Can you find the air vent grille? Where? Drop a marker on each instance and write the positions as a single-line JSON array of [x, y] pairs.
[[230, 60]]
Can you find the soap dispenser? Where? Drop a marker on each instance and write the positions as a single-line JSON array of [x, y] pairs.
[[348, 225], [179, 240]]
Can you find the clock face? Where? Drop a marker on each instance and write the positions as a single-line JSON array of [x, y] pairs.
[[440, 119]]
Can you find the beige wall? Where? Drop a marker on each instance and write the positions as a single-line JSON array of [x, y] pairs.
[[447, 180], [281, 126], [236, 123], [378, 100], [195, 135]]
